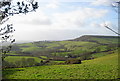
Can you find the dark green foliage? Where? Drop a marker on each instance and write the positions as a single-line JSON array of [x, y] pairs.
[[28, 62], [86, 57], [111, 47], [97, 50], [25, 62], [73, 61], [6, 64]]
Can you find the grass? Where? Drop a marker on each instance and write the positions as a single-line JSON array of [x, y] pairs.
[[12, 54], [27, 44], [64, 48], [44, 57], [59, 61], [96, 55], [71, 47], [105, 67], [13, 59], [106, 40], [29, 49]]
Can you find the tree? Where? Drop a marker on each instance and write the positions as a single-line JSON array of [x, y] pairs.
[[73, 61], [8, 9], [97, 50]]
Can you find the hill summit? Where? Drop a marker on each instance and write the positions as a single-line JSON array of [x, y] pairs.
[[104, 40]]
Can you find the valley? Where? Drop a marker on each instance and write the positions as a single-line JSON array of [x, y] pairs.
[[80, 58]]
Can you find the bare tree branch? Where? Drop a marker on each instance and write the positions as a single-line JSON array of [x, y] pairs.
[[112, 30], [6, 10], [115, 6]]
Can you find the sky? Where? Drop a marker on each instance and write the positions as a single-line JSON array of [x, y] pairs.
[[65, 19]]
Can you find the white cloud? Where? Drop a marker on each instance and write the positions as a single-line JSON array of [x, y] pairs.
[[101, 24], [77, 18], [101, 29], [66, 0], [67, 20], [102, 2], [40, 25], [34, 18], [52, 5]]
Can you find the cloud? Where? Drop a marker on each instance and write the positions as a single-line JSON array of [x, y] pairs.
[[66, 0], [68, 24], [53, 5], [101, 29], [77, 18], [102, 2], [67, 20], [59, 26], [36, 34], [34, 18], [101, 24]]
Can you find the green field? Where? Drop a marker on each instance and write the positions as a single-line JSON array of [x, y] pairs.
[[54, 59], [105, 67], [13, 59], [75, 47]]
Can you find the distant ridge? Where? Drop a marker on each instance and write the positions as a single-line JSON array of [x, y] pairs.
[[91, 37]]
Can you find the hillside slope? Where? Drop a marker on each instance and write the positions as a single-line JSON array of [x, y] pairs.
[[85, 47], [98, 39], [105, 67]]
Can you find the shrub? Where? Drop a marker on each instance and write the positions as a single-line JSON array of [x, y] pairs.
[[73, 61], [86, 57], [24, 62]]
